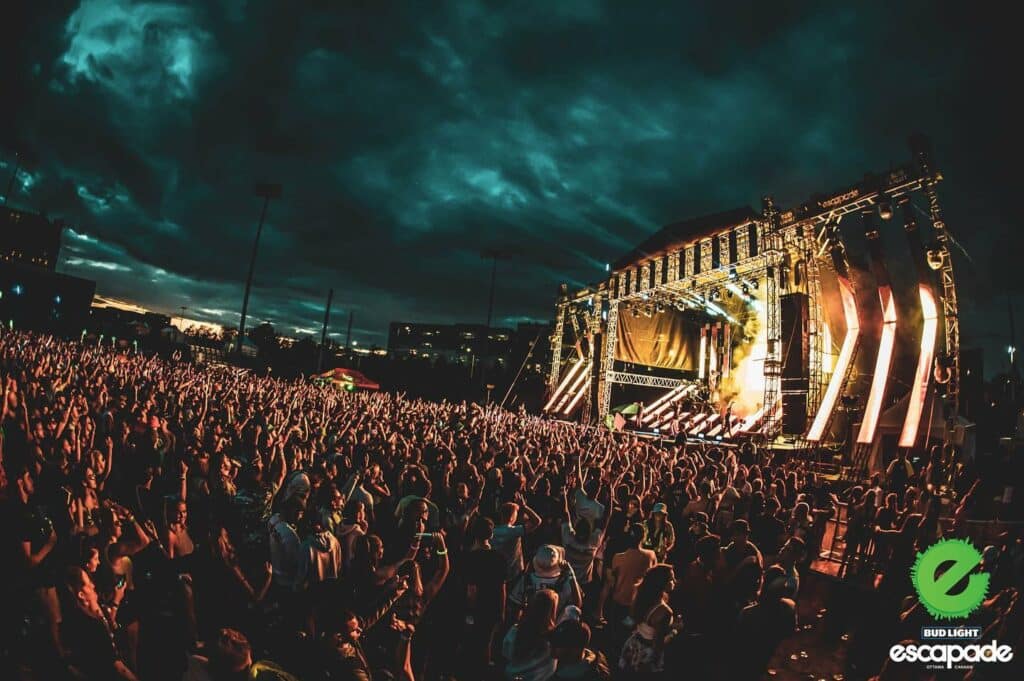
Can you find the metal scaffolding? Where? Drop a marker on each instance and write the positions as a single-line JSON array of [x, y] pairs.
[[646, 380], [611, 329], [773, 323]]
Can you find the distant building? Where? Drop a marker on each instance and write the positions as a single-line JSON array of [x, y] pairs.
[[29, 238], [36, 298], [469, 344], [466, 344]]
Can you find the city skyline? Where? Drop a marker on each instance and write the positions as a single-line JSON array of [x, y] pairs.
[[410, 141]]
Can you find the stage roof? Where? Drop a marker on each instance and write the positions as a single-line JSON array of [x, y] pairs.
[[679, 234]]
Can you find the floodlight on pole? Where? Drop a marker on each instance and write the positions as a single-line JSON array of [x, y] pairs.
[[267, 191]]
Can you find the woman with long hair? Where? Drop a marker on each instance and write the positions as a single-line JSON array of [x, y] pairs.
[[643, 654], [526, 647]]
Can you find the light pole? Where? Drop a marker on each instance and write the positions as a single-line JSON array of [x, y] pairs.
[[14, 175], [267, 191], [494, 254], [323, 333]]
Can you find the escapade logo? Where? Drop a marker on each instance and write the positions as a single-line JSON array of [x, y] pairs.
[[934, 590], [950, 654]]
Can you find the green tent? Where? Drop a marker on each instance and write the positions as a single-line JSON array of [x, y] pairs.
[[631, 409]]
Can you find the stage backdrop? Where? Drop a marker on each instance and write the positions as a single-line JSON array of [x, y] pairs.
[[670, 340]]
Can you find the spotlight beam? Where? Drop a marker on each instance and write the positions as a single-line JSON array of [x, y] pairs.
[[919, 394], [887, 340], [918, 397], [561, 386], [883, 365], [571, 392], [835, 383]]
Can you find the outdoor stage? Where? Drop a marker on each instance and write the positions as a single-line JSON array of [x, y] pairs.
[[833, 323]]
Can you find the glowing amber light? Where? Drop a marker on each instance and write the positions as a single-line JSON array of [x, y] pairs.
[[561, 386], [883, 364], [703, 352], [667, 400], [581, 393], [919, 394], [571, 392], [835, 383]]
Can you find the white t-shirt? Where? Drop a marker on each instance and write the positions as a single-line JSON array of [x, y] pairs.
[[508, 540], [588, 508]]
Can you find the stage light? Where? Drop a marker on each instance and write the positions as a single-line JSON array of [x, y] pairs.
[[728, 292], [607, 267], [636, 311], [569, 376], [732, 273], [716, 295], [56, 300], [579, 394], [918, 397], [935, 257], [883, 365], [835, 383], [659, 308], [745, 290], [18, 290], [885, 208]]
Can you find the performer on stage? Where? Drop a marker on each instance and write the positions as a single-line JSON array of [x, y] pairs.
[[727, 419]]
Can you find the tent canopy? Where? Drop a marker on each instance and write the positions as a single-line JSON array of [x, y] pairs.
[[349, 377]]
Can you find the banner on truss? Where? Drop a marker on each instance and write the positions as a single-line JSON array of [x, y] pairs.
[[668, 340]]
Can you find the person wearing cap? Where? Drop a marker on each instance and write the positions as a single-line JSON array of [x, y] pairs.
[[548, 570], [740, 548], [659, 535], [576, 662]]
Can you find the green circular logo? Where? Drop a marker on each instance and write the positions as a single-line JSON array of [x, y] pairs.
[[960, 558]]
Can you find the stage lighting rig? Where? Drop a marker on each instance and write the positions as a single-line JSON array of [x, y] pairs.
[[884, 207]]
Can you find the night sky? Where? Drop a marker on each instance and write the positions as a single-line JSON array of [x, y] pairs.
[[411, 136]]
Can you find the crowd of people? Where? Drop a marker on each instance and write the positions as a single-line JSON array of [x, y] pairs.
[[169, 521]]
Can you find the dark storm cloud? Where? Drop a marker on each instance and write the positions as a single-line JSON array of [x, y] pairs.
[[409, 138]]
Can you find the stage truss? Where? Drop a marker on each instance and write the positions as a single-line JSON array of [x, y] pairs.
[[754, 249]]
